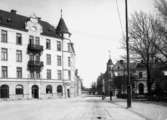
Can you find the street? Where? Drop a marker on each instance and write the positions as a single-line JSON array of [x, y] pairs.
[[82, 108]]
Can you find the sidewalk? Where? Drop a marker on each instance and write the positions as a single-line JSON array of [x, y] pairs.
[[146, 109]]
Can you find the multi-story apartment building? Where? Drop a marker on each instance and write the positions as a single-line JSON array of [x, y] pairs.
[[37, 59]]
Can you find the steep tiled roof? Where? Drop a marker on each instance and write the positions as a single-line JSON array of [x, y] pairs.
[[12, 20], [62, 28], [16, 21]]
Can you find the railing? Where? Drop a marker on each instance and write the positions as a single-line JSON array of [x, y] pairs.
[[35, 48], [35, 65]]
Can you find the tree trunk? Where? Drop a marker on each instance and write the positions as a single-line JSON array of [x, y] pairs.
[[149, 83]]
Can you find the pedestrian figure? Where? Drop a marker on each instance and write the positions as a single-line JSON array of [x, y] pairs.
[[111, 94], [103, 96]]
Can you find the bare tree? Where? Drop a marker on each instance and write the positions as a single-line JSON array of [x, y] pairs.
[[142, 37], [161, 28]]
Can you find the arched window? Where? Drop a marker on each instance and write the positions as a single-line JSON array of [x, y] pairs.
[[59, 89], [19, 90], [48, 89]]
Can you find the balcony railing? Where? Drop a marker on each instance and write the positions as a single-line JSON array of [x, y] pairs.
[[35, 65], [32, 48]]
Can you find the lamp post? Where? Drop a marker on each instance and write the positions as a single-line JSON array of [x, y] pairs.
[[129, 92]]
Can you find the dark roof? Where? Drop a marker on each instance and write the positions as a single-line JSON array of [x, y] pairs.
[[12, 20], [62, 28], [16, 21], [110, 62]]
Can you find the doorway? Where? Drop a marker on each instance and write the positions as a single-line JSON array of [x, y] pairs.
[[4, 91], [35, 92], [141, 89], [68, 93]]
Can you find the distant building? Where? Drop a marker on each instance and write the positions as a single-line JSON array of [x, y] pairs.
[[138, 76], [108, 78], [120, 70], [37, 59]]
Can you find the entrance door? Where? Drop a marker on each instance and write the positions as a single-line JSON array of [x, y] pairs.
[[4, 91], [68, 93], [141, 89], [35, 91]]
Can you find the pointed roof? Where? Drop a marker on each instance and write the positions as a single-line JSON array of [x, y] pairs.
[[110, 62], [62, 28]]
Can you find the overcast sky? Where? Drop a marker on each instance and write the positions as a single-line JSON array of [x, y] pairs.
[[94, 25]]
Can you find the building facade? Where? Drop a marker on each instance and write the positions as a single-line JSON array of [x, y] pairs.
[[37, 59], [141, 79]]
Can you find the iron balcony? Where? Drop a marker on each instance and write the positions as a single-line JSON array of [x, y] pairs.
[[35, 65], [32, 48]]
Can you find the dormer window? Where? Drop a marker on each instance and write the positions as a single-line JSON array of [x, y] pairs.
[[9, 20]]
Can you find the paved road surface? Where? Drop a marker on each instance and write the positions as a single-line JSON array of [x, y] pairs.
[[85, 108]]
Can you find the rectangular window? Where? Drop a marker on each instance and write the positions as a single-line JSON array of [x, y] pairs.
[[31, 40], [31, 57], [58, 60], [59, 74], [48, 44], [18, 39], [48, 74], [4, 71], [58, 45], [37, 58], [4, 36], [4, 54], [140, 74], [69, 47], [18, 56], [38, 75], [32, 75], [69, 75], [69, 62], [19, 72], [37, 40], [48, 59]]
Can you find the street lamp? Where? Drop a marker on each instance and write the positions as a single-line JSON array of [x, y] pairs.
[[129, 92]]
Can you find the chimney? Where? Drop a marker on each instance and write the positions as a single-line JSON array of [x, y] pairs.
[[13, 11]]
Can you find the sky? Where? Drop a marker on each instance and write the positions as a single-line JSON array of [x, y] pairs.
[[94, 24]]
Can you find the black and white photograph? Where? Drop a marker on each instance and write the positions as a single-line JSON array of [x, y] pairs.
[[83, 59]]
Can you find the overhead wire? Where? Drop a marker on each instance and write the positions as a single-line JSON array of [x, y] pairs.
[[119, 17]]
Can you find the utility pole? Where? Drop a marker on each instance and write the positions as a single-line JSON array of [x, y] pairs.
[[129, 92]]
